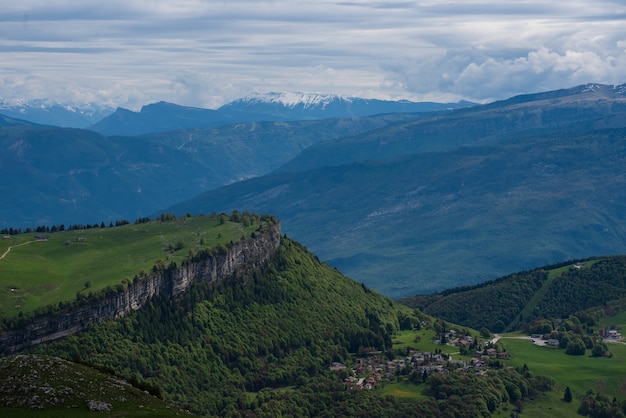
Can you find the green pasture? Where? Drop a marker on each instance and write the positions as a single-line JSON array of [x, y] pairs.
[[404, 391], [404, 339], [580, 373], [547, 405], [35, 273]]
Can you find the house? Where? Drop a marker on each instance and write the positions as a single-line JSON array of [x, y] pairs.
[[613, 335], [553, 342], [336, 366]]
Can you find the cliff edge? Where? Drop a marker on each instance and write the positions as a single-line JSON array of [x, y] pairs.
[[244, 254]]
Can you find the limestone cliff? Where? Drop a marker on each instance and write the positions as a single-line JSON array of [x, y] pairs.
[[249, 253]]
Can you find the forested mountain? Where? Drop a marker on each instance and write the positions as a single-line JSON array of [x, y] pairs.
[[518, 300], [271, 328], [62, 175], [8, 121]]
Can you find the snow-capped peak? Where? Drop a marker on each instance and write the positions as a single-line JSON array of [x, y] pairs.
[[293, 99]]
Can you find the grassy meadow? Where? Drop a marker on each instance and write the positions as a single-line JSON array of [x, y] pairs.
[[37, 273]]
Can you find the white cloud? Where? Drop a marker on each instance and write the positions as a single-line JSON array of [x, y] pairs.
[[203, 53]]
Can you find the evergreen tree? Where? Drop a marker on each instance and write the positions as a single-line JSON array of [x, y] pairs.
[[567, 396]]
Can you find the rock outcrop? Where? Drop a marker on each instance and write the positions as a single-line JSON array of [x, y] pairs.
[[172, 281]]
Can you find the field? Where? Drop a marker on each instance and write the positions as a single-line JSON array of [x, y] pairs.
[[580, 373], [37, 273]]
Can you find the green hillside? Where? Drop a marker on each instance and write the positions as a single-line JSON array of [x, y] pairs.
[[219, 345], [519, 300], [37, 273]]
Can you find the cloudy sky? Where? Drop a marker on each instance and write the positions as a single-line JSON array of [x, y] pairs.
[[205, 53]]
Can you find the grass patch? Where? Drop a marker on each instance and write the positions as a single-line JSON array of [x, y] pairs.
[[403, 391], [580, 373], [407, 339], [35, 274]]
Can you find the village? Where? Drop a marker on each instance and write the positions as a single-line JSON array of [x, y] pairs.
[[376, 367]]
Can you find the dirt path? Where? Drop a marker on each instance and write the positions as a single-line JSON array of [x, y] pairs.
[[14, 246]]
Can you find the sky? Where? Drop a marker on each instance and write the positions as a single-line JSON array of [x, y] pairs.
[[206, 53]]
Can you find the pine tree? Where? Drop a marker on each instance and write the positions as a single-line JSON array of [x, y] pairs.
[[567, 396]]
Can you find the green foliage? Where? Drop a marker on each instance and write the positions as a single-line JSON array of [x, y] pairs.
[[256, 330], [567, 395], [490, 305], [575, 347], [597, 405], [530, 300]]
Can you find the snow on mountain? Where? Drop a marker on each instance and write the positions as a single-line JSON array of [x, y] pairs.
[[293, 99], [48, 112]]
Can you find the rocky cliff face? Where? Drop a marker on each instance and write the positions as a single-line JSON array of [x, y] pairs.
[[245, 254]]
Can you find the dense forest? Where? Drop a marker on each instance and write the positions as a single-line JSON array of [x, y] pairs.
[[517, 300]]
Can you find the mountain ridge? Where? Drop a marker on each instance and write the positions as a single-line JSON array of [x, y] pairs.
[[49, 112], [164, 116]]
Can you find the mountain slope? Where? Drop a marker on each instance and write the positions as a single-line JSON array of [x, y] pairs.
[[516, 301], [436, 220], [60, 175]]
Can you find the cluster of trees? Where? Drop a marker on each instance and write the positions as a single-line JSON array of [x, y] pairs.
[[576, 336], [483, 395], [597, 405], [60, 228]]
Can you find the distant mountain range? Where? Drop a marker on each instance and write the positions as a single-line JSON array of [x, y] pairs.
[[45, 112], [163, 116]]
